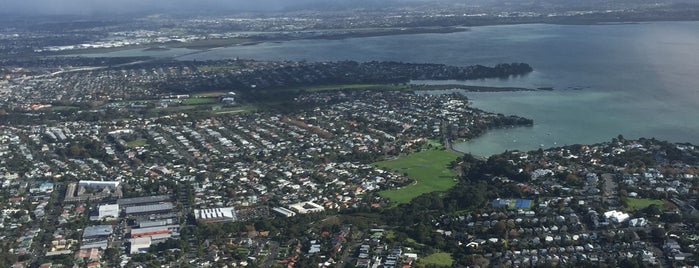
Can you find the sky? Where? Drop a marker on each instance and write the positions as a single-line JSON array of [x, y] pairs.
[[88, 7]]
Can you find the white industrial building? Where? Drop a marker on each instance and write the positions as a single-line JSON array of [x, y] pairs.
[[286, 212], [306, 207], [616, 216], [216, 214], [99, 184], [140, 244], [108, 212]]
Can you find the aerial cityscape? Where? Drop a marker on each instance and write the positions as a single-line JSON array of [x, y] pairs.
[[484, 133]]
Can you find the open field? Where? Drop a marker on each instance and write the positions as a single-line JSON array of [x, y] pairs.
[[438, 259], [200, 100], [209, 94], [136, 143], [641, 203], [429, 169], [434, 144]]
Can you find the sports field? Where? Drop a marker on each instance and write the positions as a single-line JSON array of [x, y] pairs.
[[641, 203], [429, 169], [440, 259]]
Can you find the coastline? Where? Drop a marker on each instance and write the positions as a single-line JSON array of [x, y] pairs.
[[339, 34], [330, 34], [468, 88]]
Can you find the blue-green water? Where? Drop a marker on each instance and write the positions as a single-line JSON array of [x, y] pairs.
[[638, 80]]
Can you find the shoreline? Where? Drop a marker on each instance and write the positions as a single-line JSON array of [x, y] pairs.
[[199, 46], [208, 44], [468, 88]]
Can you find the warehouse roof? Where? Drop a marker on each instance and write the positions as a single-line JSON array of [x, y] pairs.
[[149, 208], [97, 230], [142, 200]]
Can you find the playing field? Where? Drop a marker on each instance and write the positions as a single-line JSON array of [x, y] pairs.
[[429, 169], [438, 259], [641, 203], [200, 101]]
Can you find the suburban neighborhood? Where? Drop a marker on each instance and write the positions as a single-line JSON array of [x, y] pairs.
[[150, 140]]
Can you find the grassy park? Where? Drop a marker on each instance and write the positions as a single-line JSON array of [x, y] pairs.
[[641, 203], [440, 259], [429, 169], [136, 143], [200, 101]]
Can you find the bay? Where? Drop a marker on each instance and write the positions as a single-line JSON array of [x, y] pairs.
[[637, 80]]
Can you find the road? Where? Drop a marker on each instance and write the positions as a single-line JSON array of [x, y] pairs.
[[445, 138], [610, 193], [272, 257]]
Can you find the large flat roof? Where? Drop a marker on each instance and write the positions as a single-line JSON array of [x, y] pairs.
[[86, 183], [227, 213], [142, 200], [97, 230], [153, 229], [149, 208], [103, 244]]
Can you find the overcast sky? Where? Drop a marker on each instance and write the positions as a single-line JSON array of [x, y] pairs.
[[87, 7]]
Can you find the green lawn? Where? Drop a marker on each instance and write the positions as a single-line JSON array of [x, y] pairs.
[[173, 109], [429, 169], [438, 259], [436, 144], [210, 94], [641, 203], [136, 143], [199, 101]]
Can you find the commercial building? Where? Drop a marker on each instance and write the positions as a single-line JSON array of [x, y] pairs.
[[153, 231], [306, 207], [149, 223], [97, 231], [144, 200], [99, 184], [149, 209], [616, 216], [92, 190], [285, 212], [216, 214], [108, 212], [140, 244]]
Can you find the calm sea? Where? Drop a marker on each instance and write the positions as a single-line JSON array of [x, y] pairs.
[[638, 80]]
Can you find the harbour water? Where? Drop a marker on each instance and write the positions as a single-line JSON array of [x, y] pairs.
[[637, 80]]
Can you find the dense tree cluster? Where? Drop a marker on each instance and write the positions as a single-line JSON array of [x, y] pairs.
[[343, 72]]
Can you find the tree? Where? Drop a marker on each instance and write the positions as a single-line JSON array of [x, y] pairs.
[[652, 210], [658, 234], [499, 228]]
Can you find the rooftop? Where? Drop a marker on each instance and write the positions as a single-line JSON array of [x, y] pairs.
[[149, 208], [97, 230], [142, 200]]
